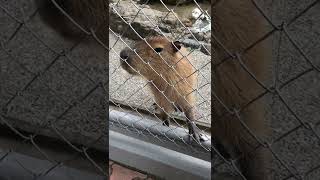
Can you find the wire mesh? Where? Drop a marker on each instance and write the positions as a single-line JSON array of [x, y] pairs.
[[132, 93], [29, 93], [292, 27], [48, 91], [284, 96]]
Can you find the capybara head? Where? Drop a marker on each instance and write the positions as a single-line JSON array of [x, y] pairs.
[[144, 57]]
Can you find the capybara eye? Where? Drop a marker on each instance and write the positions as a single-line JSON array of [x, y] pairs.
[[158, 49]]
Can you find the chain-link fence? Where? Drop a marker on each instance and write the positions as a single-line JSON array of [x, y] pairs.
[[167, 77], [244, 32], [53, 90], [52, 98], [287, 100]]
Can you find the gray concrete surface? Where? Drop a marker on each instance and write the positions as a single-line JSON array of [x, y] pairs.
[[299, 149], [61, 102], [38, 103], [15, 166]]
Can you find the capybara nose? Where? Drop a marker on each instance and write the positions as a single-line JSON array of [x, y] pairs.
[[124, 54]]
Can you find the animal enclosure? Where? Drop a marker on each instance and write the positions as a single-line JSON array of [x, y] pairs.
[[55, 95], [133, 108]]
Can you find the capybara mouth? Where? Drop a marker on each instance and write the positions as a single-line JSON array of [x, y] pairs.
[[127, 67]]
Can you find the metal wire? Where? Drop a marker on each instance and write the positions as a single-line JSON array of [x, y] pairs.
[[33, 76], [276, 90], [51, 120]]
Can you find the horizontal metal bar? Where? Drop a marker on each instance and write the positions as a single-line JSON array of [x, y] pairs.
[[150, 125], [156, 160], [124, 105]]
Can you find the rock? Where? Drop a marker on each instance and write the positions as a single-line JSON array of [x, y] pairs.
[[144, 24], [206, 49], [206, 34], [207, 37], [190, 43], [188, 36], [171, 19], [164, 28], [201, 26], [202, 23], [197, 13], [199, 36], [172, 2], [186, 22]]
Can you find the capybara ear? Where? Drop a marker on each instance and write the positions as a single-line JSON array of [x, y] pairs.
[[176, 46]]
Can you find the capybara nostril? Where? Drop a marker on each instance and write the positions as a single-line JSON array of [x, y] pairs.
[[124, 54]]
